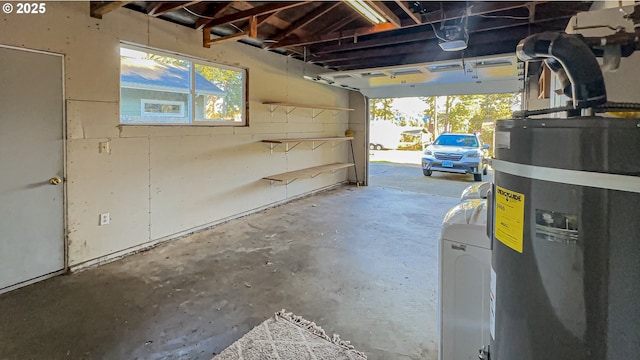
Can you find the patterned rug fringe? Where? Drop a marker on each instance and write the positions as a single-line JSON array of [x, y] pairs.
[[317, 330]]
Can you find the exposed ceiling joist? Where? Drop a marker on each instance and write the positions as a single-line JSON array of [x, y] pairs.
[[404, 5], [260, 10], [382, 9], [338, 35], [154, 6], [501, 45], [305, 20], [251, 31], [337, 51], [333, 35], [341, 23], [166, 7], [370, 43], [214, 13], [478, 8], [99, 8]]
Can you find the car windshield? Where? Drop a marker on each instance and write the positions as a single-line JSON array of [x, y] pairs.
[[457, 140]]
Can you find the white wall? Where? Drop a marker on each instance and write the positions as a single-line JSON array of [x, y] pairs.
[[161, 181]]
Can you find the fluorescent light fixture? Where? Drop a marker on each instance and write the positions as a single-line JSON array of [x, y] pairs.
[[367, 11]]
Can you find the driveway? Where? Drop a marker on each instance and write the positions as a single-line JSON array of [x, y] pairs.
[[398, 169]]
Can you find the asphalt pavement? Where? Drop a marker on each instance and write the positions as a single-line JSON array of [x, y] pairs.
[[401, 170]]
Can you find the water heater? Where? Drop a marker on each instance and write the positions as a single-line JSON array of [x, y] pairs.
[[565, 220], [566, 244]]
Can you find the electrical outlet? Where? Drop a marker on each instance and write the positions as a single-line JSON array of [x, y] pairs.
[[104, 219], [104, 147]]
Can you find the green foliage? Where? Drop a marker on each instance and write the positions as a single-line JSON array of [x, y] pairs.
[[468, 113], [225, 107], [231, 105], [381, 109]]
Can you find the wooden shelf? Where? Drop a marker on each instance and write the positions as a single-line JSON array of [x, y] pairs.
[[273, 105], [322, 140], [311, 172]]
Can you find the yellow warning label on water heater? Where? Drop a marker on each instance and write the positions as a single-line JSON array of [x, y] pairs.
[[509, 227]]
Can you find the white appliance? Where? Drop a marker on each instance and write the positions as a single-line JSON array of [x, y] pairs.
[[476, 191], [465, 270]]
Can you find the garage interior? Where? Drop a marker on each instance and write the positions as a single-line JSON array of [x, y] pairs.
[[177, 239]]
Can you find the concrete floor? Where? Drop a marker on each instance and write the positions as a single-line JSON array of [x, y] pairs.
[[361, 262]]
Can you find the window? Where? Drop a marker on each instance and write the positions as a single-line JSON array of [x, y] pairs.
[[457, 140], [161, 88], [162, 108]]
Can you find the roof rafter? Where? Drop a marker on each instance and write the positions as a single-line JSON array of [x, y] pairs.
[[305, 20], [252, 29], [166, 7], [341, 23], [485, 43], [404, 5], [259, 10], [99, 8], [217, 11], [383, 10], [477, 9], [323, 52]]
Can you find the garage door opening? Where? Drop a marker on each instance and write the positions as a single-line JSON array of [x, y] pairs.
[[401, 129]]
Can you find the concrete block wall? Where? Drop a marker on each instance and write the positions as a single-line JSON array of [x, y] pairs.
[[158, 182]]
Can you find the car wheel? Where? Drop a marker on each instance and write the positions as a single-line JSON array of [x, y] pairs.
[[484, 171], [477, 177], [379, 147], [372, 146], [426, 172]]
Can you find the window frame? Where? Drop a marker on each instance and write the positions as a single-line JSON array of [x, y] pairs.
[[143, 102], [190, 110]]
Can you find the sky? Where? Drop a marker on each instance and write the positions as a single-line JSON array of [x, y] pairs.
[[411, 106]]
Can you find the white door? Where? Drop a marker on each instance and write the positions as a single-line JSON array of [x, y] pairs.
[[31, 167]]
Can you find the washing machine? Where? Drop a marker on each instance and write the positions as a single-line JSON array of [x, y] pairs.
[[465, 266]]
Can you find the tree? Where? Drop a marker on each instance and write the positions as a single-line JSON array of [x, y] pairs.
[[229, 81], [493, 107], [471, 113], [381, 109], [226, 107]]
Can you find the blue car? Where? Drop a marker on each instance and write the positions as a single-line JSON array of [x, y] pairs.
[[456, 153]]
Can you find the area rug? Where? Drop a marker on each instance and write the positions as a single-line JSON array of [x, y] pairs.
[[289, 337]]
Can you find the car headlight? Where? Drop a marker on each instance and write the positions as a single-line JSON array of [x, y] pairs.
[[428, 152], [474, 154]]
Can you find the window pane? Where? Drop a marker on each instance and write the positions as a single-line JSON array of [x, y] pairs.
[[153, 88], [162, 108], [160, 88], [219, 94]]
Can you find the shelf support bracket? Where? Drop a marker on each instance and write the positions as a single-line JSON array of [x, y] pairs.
[[287, 147], [272, 109], [314, 114], [313, 145]]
